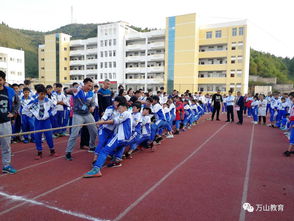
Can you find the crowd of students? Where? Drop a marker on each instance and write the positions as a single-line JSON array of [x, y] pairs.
[[125, 120]]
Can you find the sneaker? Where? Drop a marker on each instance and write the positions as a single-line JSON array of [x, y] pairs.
[[95, 172], [115, 164], [39, 155], [128, 155], [255, 122], [94, 162], [54, 136], [158, 139], [177, 132], [9, 169], [170, 136], [68, 156], [287, 153], [91, 150]]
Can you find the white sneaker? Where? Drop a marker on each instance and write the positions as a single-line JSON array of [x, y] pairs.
[[255, 122], [170, 136]]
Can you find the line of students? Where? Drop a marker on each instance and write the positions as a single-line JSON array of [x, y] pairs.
[[124, 126]]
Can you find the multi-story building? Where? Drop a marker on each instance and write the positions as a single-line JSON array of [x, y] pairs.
[[185, 56], [206, 58], [144, 60], [54, 59], [12, 63]]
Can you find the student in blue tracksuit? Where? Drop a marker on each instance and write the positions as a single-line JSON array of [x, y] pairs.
[[119, 139], [254, 110], [105, 131], [41, 109], [195, 115], [188, 115], [51, 95], [144, 137], [283, 109], [274, 109], [60, 109], [26, 117]]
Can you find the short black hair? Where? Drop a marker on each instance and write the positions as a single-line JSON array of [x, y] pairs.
[[74, 83], [155, 98], [291, 94], [49, 87], [161, 88], [120, 99], [27, 82], [96, 86], [58, 85], [137, 105], [21, 84], [86, 80], [149, 99], [14, 85], [133, 99], [137, 92], [147, 108], [41, 88], [26, 89], [123, 105], [2, 75], [36, 86]]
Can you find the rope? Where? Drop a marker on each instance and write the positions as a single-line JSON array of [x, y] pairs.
[[45, 130]]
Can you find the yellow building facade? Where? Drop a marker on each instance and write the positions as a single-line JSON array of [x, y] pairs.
[[54, 59], [206, 58]]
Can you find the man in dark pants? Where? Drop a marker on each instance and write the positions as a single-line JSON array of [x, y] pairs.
[[217, 100], [230, 107], [240, 107], [104, 97]]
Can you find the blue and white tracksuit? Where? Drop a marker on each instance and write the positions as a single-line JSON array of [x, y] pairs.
[[42, 111], [119, 139], [105, 131], [274, 109], [254, 110], [188, 114], [160, 123], [283, 109], [26, 117], [60, 112]]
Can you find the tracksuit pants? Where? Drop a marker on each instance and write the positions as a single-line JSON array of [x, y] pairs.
[[5, 128], [104, 135], [27, 124], [40, 125]]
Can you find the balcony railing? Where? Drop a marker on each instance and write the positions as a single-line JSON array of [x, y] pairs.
[[136, 70]]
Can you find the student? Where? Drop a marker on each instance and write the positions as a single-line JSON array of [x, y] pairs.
[[230, 107], [187, 116], [145, 135], [41, 108], [60, 109], [282, 110], [52, 97], [248, 102], [119, 139], [104, 97], [254, 110], [26, 116], [66, 107], [217, 101], [166, 111], [262, 107], [8, 106], [16, 121], [291, 140], [195, 115], [274, 109], [179, 114], [106, 131]]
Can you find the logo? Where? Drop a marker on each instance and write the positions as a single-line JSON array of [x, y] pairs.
[[247, 207]]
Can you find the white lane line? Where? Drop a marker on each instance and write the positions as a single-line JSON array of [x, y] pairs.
[[247, 175], [151, 189], [37, 203], [43, 162]]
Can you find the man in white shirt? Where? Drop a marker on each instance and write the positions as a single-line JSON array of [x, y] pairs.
[[230, 100]]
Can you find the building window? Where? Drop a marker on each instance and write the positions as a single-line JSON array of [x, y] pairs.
[[65, 59], [42, 59], [105, 42], [208, 34], [218, 34], [110, 64], [240, 59], [241, 31], [42, 68], [113, 53], [110, 42], [101, 54], [233, 59], [105, 64], [110, 53], [101, 64], [65, 49], [234, 32], [65, 68], [42, 50], [239, 73], [101, 76], [114, 64], [240, 45], [114, 41], [114, 75], [65, 78], [110, 76], [101, 43], [105, 53], [105, 75]]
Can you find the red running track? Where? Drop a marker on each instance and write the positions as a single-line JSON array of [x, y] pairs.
[[202, 174]]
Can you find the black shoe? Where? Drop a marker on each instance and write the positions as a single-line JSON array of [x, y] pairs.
[[158, 139], [177, 132], [239, 123], [68, 156], [287, 153], [292, 152], [218, 119], [227, 121], [128, 155]]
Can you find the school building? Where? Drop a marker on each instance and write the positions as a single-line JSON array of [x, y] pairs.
[[184, 56]]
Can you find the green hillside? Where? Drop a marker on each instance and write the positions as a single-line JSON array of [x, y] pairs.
[[261, 63]]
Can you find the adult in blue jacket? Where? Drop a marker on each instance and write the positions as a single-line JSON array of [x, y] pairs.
[[240, 107]]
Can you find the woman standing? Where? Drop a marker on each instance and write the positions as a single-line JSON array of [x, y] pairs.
[[262, 104]]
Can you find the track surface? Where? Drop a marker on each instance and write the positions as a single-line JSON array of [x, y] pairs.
[[203, 174]]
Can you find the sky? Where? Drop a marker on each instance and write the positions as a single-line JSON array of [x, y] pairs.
[[270, 22]]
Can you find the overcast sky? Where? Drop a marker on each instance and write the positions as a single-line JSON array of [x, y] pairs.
[[270, 22]]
